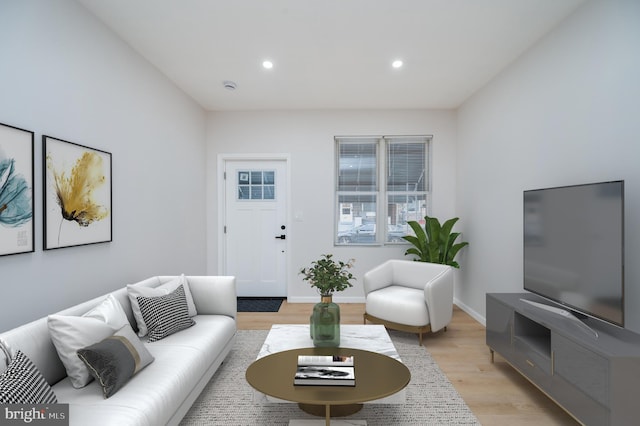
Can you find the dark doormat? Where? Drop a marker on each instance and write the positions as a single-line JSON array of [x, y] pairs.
[[259, 304]]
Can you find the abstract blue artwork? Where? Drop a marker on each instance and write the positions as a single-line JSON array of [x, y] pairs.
[[16, 190]]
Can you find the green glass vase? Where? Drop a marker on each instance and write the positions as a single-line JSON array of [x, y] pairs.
[[325, 323]]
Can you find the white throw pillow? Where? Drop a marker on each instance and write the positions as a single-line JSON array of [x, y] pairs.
[[70, 333], [6, 355], [109, 311], [134, 291]]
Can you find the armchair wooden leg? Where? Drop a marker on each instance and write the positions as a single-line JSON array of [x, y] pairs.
[[419, 330]]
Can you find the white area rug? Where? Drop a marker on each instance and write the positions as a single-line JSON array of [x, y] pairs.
[[228, 398]]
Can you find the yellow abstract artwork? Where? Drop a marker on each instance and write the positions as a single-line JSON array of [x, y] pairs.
[[77, 180]]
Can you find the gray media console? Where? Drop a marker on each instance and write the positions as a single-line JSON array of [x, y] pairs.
[[588, 367]]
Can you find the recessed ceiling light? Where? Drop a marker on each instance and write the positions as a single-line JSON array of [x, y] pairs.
[[397, 63], [267, 65]]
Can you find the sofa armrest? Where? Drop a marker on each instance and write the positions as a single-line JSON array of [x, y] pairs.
[[379, 277], [438, 293], [214, 295]]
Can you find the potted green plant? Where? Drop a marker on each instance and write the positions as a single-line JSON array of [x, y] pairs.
[[435, 243], [327, 276]]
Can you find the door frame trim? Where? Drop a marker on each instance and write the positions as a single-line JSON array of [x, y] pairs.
[[222, 208]]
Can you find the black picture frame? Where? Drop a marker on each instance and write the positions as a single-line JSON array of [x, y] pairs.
[[17, 229], [77, 195]]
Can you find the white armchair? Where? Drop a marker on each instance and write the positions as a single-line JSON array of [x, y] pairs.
[[410, 296]]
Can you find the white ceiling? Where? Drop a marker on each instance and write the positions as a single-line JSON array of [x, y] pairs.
[[331, 54]]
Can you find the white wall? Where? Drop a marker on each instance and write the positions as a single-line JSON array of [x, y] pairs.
[[65, 75], [565, 113], [307, 136]]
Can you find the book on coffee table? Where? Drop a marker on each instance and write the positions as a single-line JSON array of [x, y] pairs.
[[335, 360], [325, 375]]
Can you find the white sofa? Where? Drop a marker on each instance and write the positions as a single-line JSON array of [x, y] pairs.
[[163, 391], [409, 296]]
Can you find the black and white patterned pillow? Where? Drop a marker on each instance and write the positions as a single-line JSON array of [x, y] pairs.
[[165, 315], [22, 383]]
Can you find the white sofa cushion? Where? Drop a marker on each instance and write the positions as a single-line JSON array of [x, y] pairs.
[[134, 291], [404, 305], [70, 333]]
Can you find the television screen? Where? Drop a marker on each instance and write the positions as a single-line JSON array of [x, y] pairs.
[[574, 247]]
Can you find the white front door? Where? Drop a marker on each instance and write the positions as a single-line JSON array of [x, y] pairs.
[[255, 229]]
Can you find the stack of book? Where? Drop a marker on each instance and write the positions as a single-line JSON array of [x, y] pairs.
[[325, 370]]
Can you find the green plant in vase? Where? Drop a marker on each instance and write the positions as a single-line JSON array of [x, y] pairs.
[[327, 276]]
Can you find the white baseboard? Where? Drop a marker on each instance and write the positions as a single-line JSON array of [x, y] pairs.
[[475, 315]]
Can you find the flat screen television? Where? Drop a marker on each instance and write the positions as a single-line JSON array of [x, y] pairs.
[[574, 247]]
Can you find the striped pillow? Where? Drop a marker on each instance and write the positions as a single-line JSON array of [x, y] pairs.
[[22, 383], [165, 315]]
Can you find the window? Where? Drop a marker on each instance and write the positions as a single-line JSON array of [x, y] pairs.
[[382, 182], [256, 185]]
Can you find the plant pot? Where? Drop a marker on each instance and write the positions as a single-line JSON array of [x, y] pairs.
[[324, 323]]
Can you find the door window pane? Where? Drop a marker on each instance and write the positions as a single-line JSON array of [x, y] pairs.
[[269, 192], [256, 185], [256, 178], [243, 192], [269, 178]]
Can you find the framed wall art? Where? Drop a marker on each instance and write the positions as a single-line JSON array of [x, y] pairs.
[[16, 191], [77, 194]]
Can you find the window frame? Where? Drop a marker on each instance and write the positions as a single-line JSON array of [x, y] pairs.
[[381, 192]]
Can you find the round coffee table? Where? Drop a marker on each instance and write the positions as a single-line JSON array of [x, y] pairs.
[[377, 376]]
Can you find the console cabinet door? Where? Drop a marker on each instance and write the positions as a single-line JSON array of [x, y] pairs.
[[581, 381], [499, 331]]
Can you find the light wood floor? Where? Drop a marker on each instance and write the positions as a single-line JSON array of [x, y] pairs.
[[496, 393]]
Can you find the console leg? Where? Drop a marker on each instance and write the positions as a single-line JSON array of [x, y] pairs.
[[492, 355], [327, 415]]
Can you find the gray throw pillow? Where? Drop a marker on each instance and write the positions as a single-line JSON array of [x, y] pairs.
[[115, 360]]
